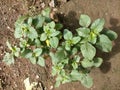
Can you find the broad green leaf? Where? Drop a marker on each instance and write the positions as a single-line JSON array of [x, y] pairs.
[[37, 51], [9, 45], [84, 32], [20, 20], [98, 62], [65, 79], [84, 40], [74, 65], [51, 24], [76, 39], [37, 42], [87, 63], [67, 46], [88, 51], [67, 34], [111, 34], [60, 54], [46, 12], [74, 51], [41, 61], [18, 32], [43, 37], [75, 75], [57, 83], [8, 58], [27, 53], [54, 42], [64, 61], [55, 60], [87, 81], [38, 21], [104, 43], [46, 28], [32, 60], [16, 51], [30, 21], [54, 71], [32, 34], [77, 58], [55, 33], [84, 20], [97, 25], [23, 43]]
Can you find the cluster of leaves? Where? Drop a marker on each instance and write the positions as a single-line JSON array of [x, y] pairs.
[[72, 55]]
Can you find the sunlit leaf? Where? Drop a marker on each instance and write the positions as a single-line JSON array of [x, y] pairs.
[[75, 75], [104, 43], [43, 37], [98, 62], [67, 34], [98, 25], [76, 39], [32, 59], [84, 20], [8, 59], [37, 51], [38, 21], [87, 81], [84, 32], [87, 63], [30, 21], [41, 61], [88, 51], [54, 42]]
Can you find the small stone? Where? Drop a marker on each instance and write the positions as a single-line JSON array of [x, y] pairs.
[[52, 3], [37, 76], [42, 5], [51, 87]]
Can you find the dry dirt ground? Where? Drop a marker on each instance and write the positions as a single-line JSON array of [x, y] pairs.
[[107, 77]]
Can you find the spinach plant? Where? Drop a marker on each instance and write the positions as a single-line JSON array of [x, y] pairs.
[[72, 55]]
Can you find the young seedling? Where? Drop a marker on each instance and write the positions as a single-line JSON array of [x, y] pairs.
[[72, 55]]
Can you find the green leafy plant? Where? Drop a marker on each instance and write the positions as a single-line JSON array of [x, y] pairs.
[[72, 55]]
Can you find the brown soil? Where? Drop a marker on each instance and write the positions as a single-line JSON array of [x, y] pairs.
[[107, 77]]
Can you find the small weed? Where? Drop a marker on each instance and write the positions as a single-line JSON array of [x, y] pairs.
[[74, 54]]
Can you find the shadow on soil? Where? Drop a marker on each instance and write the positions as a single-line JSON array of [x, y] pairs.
[[71, 22], [105, 67]]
